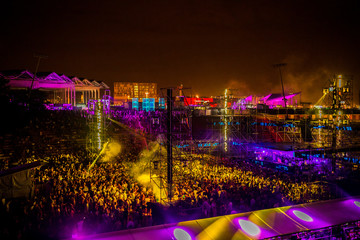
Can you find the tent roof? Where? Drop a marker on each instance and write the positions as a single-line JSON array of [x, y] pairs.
[[77, 81], [49, 76], [17, 74], [259, 224], [104, 85], [66, 78], [279, 97], [95, 83], [21, 168], [86, 82]]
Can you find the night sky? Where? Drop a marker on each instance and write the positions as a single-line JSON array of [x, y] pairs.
[[206, 45]]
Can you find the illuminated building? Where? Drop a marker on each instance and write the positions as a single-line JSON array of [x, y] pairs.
[[198, 102], [88, 89], [339, 94], [124, 91], [58, 89]]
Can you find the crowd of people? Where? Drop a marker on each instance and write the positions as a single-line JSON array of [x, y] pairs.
[[72, 199], [46, 134], [243, 186]]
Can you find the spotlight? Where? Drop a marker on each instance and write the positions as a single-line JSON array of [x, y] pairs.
[[181, 234], [303, 216], [357, 203], [249, 228]]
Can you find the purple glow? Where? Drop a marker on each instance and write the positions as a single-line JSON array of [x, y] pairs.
[[249, 228], [357, 203], [266, 98], [181, 234], [277, 99], [303, 216], [248, 99]]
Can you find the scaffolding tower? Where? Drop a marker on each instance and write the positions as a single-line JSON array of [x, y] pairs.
[[177, 152], [97, 120]]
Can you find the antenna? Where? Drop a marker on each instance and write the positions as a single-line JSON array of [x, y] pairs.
[[278, 66], [36, 70]]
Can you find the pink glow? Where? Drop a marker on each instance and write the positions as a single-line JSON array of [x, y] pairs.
[[249, 98]]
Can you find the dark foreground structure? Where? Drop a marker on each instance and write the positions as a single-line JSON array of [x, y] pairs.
[[334, 219]]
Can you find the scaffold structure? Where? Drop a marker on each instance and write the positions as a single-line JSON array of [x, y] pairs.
[[98, 113], [177, 152]]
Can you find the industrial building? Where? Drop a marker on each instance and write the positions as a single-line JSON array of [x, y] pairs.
[[124, 91]]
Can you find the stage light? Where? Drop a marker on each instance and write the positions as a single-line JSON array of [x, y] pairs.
[[303, 216], [249, 228], [181, 234], [357, 203]]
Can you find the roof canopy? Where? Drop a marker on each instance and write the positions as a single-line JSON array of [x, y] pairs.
[[275, 97], [260, 224], [47, 80]]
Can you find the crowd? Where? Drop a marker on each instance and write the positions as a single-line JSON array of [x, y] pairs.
[[71, 199], [242, 186], [47, 134]]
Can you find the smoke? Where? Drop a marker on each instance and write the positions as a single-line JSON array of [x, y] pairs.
[[111, 151], [310, 84], [140, 169], [302, 75], [238, 87]]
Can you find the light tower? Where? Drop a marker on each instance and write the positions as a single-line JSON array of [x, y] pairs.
[[98, 113], [225, 121]]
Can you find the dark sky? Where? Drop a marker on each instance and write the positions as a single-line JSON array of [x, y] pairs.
[[207, 45]]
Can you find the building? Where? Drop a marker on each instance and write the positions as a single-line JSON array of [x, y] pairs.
[[58, 89], [124, 91]]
